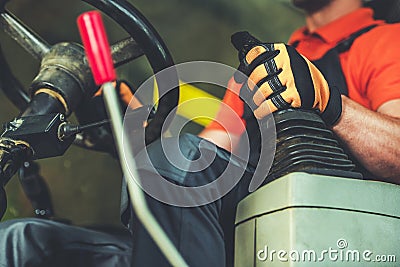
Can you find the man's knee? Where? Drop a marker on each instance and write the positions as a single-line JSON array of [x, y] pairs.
[[27, 233], [20, 227], [22, 240], [177, 158]]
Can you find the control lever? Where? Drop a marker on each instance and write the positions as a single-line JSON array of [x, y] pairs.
[[67, 129], [99, 56]]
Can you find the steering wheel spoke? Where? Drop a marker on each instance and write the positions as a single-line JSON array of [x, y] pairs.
[[23, 35], [124, 51], [11, 87]]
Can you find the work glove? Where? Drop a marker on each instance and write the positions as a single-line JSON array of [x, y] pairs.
[[280, 78]]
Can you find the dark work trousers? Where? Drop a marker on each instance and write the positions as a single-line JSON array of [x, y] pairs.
[[36, 242], [204, 235]]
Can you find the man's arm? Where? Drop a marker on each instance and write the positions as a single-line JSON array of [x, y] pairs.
[[228, 125], [373, 137]]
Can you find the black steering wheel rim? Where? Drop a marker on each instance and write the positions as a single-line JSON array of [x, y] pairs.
[[153, 47]]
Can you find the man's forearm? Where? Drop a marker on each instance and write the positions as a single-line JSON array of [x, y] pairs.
[[373, 138]]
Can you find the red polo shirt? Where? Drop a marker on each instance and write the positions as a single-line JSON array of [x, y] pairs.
[[371, 66]]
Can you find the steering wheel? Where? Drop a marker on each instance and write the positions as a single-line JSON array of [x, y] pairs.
[[143, 40]]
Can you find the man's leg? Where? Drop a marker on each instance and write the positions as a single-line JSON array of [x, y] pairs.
[[204, 234], [37, 242]]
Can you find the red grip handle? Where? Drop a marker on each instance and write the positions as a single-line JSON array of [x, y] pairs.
[[96, 45]]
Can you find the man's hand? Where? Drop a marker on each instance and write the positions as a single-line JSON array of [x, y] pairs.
[[125, 93], [280, 78], [93, 110]]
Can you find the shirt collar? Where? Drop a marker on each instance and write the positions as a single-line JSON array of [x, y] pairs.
[[341, 28]]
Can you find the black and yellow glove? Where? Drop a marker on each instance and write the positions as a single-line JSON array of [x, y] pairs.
[[280, 78]]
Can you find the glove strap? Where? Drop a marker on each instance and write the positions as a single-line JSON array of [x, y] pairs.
[[333, 110]]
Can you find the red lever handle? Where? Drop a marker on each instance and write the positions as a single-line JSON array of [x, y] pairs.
[[96, 45]]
